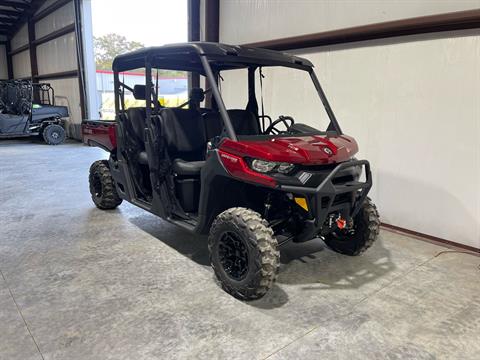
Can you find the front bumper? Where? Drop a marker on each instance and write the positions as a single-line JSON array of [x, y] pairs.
[[332, 196]]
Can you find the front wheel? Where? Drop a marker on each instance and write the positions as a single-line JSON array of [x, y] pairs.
[[354, 241], [243, 253], [53, 134], [102, 187]]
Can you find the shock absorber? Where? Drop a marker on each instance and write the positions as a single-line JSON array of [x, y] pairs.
[[267, 205]]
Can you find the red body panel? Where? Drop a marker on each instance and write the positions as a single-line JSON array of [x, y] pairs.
[[97, 132], [237, 167], [311, 149]]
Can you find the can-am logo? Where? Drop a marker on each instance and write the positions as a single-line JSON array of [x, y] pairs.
[[327, 151]]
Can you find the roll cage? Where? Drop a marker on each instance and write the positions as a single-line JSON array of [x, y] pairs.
[[209, 59]]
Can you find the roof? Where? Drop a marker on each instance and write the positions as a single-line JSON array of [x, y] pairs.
[[15, 13], [186, 56]]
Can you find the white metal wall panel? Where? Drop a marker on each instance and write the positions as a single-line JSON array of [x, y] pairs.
[[45, 5], [21, 65], [244, 21], [67, 94], [413, 105], [57, 55], [55, 21], [3, 63], [414, 108], [20, 38]]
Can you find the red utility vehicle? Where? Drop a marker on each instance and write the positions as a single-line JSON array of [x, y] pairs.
[[249, 182]]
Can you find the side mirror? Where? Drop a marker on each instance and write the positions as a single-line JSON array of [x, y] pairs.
[[139, 92]]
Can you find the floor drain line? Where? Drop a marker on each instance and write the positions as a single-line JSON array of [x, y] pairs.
[[21, 315]]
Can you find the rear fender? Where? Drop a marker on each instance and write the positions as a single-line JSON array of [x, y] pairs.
[[100, 133]]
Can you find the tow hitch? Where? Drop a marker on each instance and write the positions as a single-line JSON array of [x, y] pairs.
[[337, 221], [341, 223]]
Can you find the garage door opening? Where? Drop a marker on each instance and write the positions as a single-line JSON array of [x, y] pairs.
[[121, 26]]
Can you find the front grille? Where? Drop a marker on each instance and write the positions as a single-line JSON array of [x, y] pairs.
[[338, 180], [343, 198], [339, 199], [318, 176]]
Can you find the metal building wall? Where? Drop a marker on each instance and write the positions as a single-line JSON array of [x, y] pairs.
[[20, 38], [411, 102], [245, 21], [21, 57], [57, 61], [51, 34]]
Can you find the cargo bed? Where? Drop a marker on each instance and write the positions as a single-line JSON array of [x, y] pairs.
[[99, 133]]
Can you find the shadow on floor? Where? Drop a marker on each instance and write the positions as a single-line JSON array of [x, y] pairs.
[[22, 140], [313, 265], [310, 265], [193, 246]]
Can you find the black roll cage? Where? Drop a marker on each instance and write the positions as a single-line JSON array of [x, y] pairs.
[[220, 57]]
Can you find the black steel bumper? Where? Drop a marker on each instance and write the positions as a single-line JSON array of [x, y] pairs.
[[332, 196]]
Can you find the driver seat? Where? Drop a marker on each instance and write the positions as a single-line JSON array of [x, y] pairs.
[[244, 122]]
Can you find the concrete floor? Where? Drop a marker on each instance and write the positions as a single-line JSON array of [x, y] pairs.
[[79, 283]]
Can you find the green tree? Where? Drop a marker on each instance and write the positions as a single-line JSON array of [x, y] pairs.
[[110, 45]]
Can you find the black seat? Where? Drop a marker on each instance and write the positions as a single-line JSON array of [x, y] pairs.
[[187, 168], [136, 116], [244, 122], [185, 138]]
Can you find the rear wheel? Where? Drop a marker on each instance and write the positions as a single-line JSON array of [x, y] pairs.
[[243, 253], [102, 187], [53, 134], [354, 241]]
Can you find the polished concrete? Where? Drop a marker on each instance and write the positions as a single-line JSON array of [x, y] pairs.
[[80, 283]]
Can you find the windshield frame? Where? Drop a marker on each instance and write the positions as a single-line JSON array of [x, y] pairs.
[[213, 82]]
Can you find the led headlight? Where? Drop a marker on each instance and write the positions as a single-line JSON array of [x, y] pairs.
[[285, 168], [264, 166]]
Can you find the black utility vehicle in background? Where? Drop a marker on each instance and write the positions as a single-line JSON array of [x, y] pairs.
[[28, 109]]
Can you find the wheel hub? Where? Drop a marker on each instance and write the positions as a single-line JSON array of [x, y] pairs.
[[233, 255]]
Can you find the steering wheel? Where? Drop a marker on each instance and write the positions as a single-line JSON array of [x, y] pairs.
[[285, 120]]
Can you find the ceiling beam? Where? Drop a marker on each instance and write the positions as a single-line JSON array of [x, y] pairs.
[[7, 18], [14, 4], [459, 20], [27, 14], [9, 12]]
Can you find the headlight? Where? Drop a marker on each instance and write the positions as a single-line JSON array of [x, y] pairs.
[[285, 168], [264, 166]]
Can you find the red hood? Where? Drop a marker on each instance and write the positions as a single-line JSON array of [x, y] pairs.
[[311, 150]]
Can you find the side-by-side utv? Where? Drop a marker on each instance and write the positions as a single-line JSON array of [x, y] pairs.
[[251, 183], [28, 109]]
